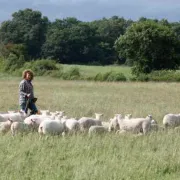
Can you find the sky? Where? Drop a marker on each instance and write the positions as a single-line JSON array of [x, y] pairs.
[[89, 10]]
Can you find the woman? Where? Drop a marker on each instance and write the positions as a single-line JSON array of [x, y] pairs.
[[26, 94]]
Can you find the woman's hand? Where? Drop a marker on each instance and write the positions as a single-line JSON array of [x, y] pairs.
[[28, 95]]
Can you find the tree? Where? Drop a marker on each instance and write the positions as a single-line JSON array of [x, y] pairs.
[[75, 44], [27, 27], [109, 30], [151, 46]]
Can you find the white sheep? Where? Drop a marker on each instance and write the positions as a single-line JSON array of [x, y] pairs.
[[154, 125], [171, 120], [2, 119], [113, 122], [21, 127], [17, 116], [87, 122], [97, 130], [135, 125], [54, 127], [71, 125], [39, 118], [5, 126], [105, 124]]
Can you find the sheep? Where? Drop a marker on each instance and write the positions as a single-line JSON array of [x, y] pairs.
[[171, 120], [154, 125], [2, 119], [54, 127], [39, 118], [22, 127], [114, 124], [5, 126], [97, 130], [71, 125], [17, 116], [136, 125], [105, 124], [87, 122]]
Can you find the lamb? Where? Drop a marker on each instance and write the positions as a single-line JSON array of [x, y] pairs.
[[22, 127], [136, 125], [171, 120], [5, 126], [54, 127], [97, 130], [87, 122]]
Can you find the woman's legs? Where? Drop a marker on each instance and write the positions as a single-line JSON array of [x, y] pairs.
[[23, 107], [33, 108]]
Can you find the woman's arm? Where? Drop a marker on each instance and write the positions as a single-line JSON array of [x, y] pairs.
[[22, 90]]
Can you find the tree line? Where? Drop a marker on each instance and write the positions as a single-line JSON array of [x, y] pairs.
[[146, 44]]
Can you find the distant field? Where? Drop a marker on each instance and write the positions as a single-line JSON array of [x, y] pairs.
[[93, 70], [107, 157]]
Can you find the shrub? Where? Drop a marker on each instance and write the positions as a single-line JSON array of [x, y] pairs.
[[116, 76], [165, 75], [142, 77], [42, 67], [72, 73], [98, 77], [110, 76], [13, 62]]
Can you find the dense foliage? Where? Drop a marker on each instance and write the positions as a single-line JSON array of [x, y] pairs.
[[145, 44]]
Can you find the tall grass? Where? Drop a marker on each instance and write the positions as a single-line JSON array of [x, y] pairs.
[[111, 156]]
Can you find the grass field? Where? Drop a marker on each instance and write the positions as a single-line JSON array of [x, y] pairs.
[[108, 157], [93, 70]]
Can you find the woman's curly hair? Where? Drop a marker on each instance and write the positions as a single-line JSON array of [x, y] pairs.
[[28, 71]]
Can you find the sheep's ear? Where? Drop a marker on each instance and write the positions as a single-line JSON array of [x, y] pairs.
[[32, 120], [9, 119]]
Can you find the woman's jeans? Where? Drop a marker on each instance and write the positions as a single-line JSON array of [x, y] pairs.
[[31, 106]]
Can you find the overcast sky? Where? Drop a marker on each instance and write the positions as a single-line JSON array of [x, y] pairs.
[[88, 10]]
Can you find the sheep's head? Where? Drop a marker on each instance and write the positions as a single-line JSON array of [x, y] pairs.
[[60, 113], [10, 120], [128, 116], [118, 116], [149, 117], [153, 121], [98, 115], [45, 112], [113, 124]]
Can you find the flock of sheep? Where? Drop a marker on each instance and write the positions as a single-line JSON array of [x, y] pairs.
[[56, 123]]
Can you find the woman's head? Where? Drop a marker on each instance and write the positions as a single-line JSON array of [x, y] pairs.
[[28, 75]]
